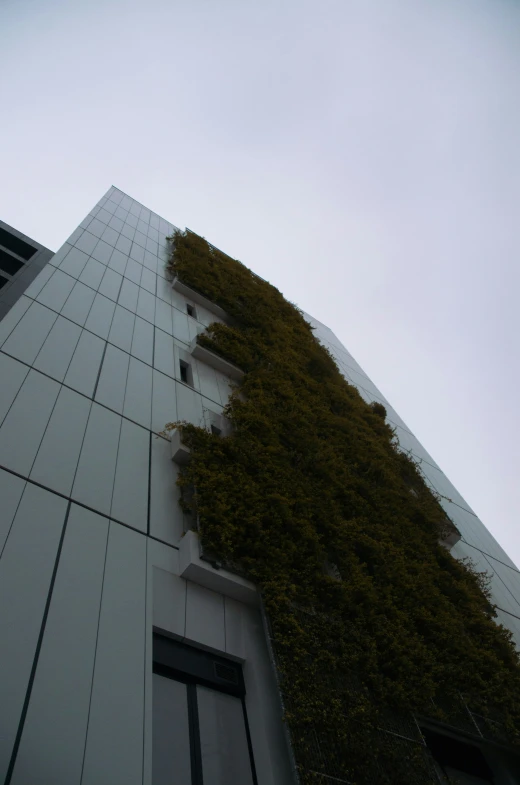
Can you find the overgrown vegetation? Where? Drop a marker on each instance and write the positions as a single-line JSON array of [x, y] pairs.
[[371, 617]]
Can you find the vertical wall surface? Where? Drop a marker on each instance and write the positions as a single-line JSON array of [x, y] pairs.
[[21, 259], [90, 524]]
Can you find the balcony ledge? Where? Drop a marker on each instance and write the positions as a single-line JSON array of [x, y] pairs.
[[196, 297], [450, 540], [193, 568], [215, 361], [180, 453]]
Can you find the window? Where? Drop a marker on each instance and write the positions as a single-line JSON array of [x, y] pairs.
[[469, 762], [3, 281], [17, 246], [191, 310], [200, 731], [186, 373], [215, 431], [8, 263]]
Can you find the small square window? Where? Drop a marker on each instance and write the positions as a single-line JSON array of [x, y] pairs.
[[191, 310], [215, 431]]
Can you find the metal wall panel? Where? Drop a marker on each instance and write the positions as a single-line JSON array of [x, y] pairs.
[[164, 405], [166, 518], [100, 316], [12, 374], [138, 396], [205, 617], [79, 303], [53, 739], [114, 748], [112, 382], [142, 341], [164, 355], [56, 353], [28, 336], [57, 458], [83, 370], [130, 498], [24, 425], [11, 489], [94, 481], [56, 290], [26, 569], [122, 328]]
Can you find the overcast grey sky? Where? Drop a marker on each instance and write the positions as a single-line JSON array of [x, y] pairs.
[[362, 155]]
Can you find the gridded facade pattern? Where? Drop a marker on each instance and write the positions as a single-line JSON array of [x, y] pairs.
[[90, 367], [90, 526]]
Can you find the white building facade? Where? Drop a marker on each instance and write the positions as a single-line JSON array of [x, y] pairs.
[[125, 659]]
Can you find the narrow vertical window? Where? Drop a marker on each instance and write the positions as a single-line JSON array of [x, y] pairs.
[[185, 372]]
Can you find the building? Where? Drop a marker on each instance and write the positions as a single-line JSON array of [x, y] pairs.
[[21, 259], [102, 589]]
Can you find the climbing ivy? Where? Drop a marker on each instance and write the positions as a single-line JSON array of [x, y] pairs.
[[371, 617]]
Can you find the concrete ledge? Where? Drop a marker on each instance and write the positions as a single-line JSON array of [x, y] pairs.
[[451, 536], [180, 453], [193, 568], [193, 295], [450, 540], [214, 361]]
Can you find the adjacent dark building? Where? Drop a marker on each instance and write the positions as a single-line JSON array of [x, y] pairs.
[[21, 259]]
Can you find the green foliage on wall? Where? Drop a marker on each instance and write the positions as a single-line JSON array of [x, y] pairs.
[[371, 617]]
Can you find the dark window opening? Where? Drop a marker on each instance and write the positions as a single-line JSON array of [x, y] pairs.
[[457, 757], [17, 246], [185, 372], [8, 263], [3, 281], [191, 310], [215, 431]]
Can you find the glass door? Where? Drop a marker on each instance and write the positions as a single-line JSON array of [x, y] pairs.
[[200, 730]]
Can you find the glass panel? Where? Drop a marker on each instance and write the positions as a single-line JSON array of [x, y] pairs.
[[171, 734], [223, 741]]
